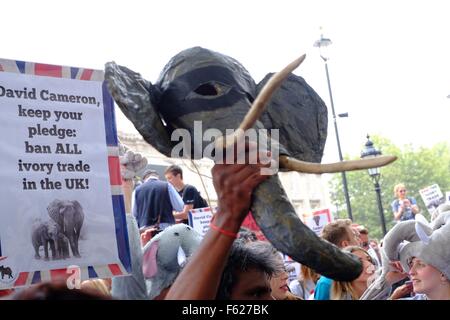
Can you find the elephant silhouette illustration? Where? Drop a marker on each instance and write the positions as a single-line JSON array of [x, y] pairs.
[[6, 271], [316, 220], [69, 217]]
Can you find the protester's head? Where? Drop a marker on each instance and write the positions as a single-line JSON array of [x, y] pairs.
[[99, 285], [248, 271], [422, 249], [58, 291], [279, 281], [341, 290], [174, 175], [308, 274], [149, 173], [247, 235], [364, 237], [400, 191], [426, 278], [373, 243], [340, 233]]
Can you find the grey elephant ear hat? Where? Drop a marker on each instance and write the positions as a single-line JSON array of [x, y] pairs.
[[133, 162], [429, 242], [165, 254]]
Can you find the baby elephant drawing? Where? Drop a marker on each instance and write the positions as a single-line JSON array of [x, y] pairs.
[[44, 234], [62, 246], [69, 217], [6, 271]]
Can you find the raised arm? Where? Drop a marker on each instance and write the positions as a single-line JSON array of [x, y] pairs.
[[234, 184]]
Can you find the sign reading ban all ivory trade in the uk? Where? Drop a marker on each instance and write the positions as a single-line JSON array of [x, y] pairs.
[[62, 212]]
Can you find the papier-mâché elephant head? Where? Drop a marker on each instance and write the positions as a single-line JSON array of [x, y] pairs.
[[202, 85]]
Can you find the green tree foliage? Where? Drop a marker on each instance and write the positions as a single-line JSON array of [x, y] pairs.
[[416, 168]]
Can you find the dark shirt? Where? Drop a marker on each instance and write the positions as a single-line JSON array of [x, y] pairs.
[[191, 195]]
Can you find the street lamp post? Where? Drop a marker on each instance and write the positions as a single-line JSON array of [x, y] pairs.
[[322, 43], [370, 152]]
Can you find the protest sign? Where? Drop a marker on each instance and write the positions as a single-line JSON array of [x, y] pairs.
[[199, 219], [62, 204], [292, 267], [432, 197], [318, 219]]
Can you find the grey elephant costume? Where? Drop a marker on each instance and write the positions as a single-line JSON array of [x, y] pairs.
[[133, 286], [429, 242], [69, 217], [164, 254], [202, 85]]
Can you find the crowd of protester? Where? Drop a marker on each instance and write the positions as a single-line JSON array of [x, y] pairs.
[[230, 263]]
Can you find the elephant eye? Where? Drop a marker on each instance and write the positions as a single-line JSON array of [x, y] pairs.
[[176, 234], [210, 89], [206, 89]]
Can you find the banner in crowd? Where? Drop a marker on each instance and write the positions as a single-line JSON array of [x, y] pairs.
[[432, 197], [318, 219], [292, 267], [62, 204], [200, 218]]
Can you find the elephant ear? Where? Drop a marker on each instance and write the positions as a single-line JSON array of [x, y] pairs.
[[136, 97], [301, 117], [54, 211], [78, 207], [149, 263]]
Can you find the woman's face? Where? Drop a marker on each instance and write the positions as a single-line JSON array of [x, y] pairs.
[[368, 266], [424, 276], [401, 192], [279, 285]]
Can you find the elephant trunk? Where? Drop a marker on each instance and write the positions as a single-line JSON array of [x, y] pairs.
[[278, 221]]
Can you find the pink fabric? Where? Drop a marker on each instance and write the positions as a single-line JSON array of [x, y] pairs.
[[149, 266]]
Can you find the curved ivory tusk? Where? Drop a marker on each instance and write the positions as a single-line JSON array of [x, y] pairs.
[[293, 164], [260, 102]]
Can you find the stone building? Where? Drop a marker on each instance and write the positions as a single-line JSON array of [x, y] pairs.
[[306, 191]]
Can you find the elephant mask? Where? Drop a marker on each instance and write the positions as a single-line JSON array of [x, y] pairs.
[[202, 85], [164, 254]]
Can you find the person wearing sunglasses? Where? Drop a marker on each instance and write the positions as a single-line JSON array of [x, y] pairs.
[[404, 208]]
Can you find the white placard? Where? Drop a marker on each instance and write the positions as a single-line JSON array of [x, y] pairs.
[[318, 219], [54, 155], [199, 219], [432, 197]]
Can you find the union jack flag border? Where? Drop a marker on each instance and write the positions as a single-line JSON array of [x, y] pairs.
[[101, 271]]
